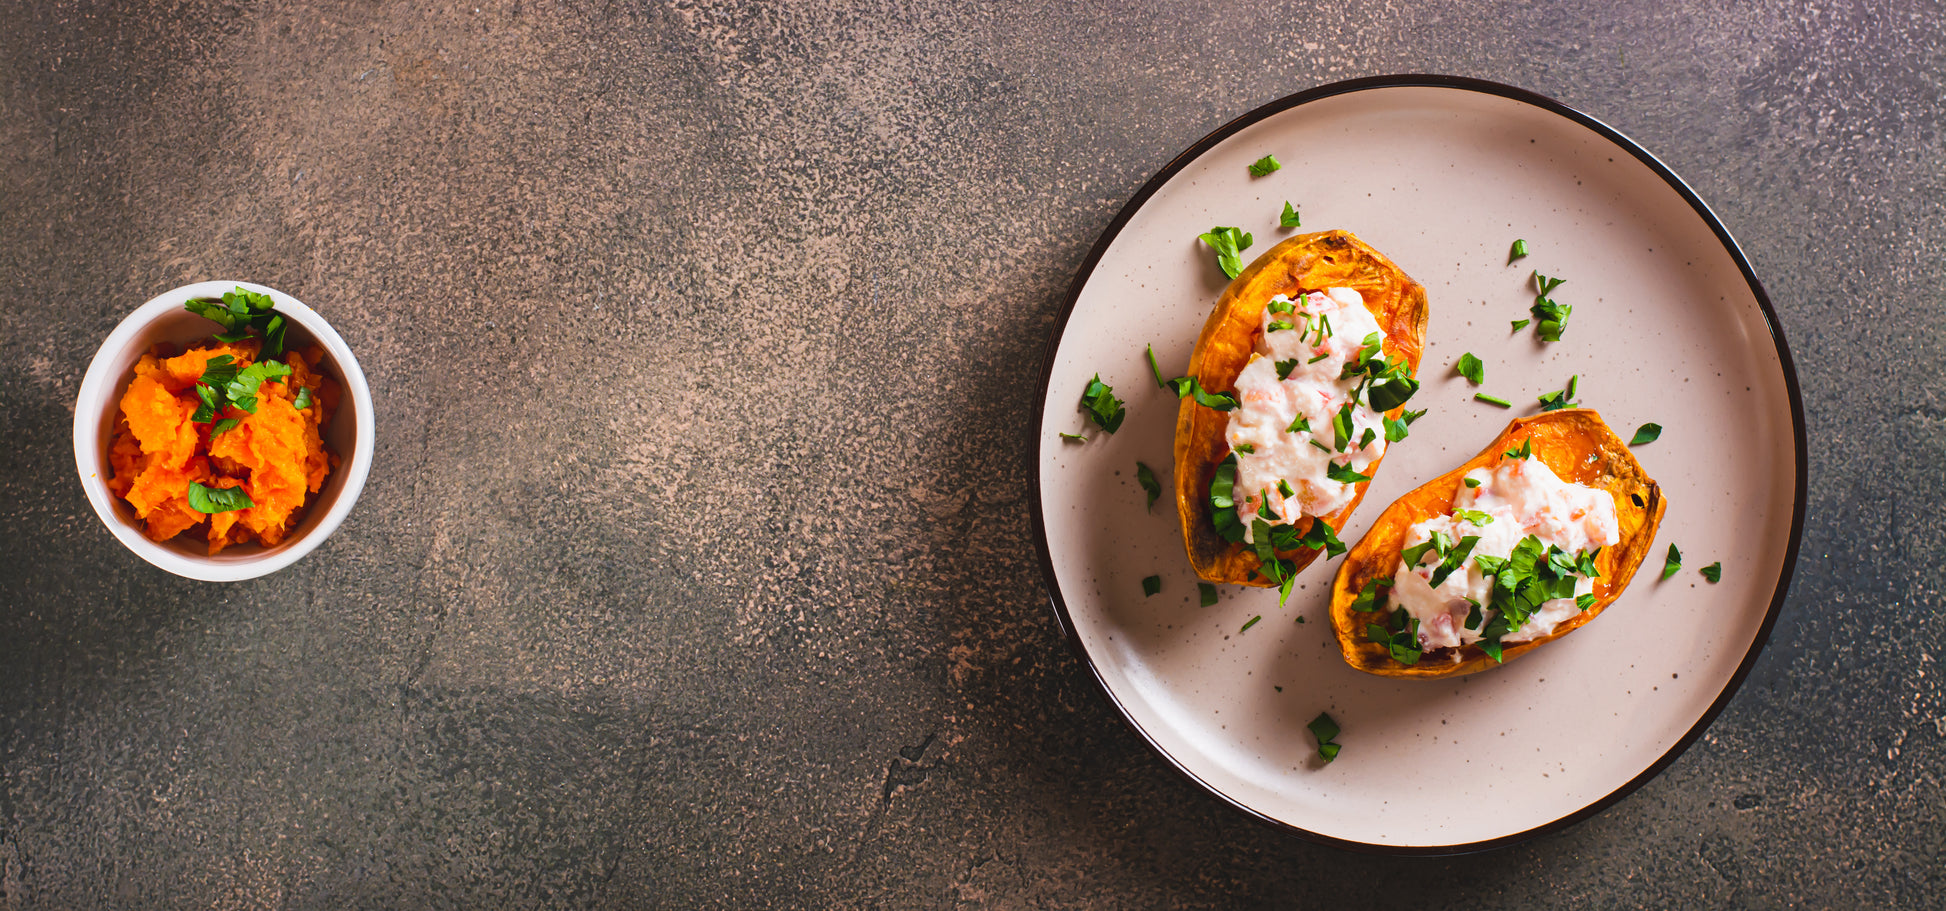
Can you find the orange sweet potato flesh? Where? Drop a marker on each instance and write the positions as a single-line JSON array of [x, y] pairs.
[[275, 454], [1301, 264], [1578, 447]]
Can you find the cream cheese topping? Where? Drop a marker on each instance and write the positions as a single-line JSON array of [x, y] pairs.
[[1516, 498], [1323, 331]]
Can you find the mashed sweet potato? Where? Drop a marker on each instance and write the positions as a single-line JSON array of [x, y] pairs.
[[275, 454]]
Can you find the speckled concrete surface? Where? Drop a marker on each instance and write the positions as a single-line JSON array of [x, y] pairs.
[[695, 568]]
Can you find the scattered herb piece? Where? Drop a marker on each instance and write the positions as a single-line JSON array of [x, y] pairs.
[[1555, 401], [1222, 501], [1519, 250], [1284, 368], [1523, 451], [1151, 585], [1647, 433], [1159, 381], [1471, 368], [1520, 324], [1583, 602], [1247, 624], [1671, 563], [1318, 358], [1300, 425], [1245, 448], [1372, 596], [240, 312], [1229, 244], [1344, 474], [1492, 400], [217, 499], [1321, 537], [303, 399], [1551, 318], [1101, 404], [1280, 306], [1264, 166], [1278, 325], [1472, 482], [1187, 386], [1146, 478], [1290, 217], [1284, 489], [1206, 593], [1713, 572], [1073, 437], [1473, 515], [1326, 731]]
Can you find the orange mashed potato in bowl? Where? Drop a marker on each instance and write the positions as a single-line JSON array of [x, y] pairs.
[[274, 455]]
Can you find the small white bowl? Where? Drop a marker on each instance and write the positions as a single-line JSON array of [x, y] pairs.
[[163, 319]]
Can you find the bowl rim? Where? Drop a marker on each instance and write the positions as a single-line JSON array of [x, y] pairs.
[[97, 388]]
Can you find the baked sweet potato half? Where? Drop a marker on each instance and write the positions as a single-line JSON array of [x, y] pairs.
[[1579, 448], [1297, 266]]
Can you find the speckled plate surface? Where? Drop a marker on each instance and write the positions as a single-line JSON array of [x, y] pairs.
[[1669, 326]]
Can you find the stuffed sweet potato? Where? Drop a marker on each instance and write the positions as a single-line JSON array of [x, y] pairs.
[[1333, 263], [1575, 446]]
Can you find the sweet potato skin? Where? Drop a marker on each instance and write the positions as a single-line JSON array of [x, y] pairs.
[[1307, 262], [1577, 446]]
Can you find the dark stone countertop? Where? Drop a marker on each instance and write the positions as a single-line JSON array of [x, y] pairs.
[[696, 568]]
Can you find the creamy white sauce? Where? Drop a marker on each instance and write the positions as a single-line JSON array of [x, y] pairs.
[[1520, 497], [1268, 406]]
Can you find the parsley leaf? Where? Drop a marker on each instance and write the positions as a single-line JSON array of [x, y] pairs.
[[1222, 501], [1555, 401], [1524, 450], [240, 312], [217, 499], [1151, 585], [1344, 474], [1372, 596], [1321, 537], [1671, 563], [1146, 478], [1326, 732], [303, 399], [1472, 482], [1471, 368], [1713, 572], [1101, 404], [1551, 317], [1518, 250], [1300, 425], [1206, 593], [1492, 400], [1284, 368], [1073, 437], [1265, 165], [1473, 515], [1647, 433], [1290, 217], [1187, 386], [1341, 428], [1229, 244], [1520, 324]]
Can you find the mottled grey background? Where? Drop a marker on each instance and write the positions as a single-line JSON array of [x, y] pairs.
[[695, 568]]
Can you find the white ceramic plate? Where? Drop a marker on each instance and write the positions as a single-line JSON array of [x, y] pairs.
[[1669, 326]]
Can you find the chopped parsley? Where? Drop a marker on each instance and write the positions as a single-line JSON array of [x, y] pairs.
[[1647, 433], [1284, 368], [1400, 636], [1372, 596], [303, 399], [223, 386], [1159, 381], [1472, 482], [1264, 166], [1101, 404], [1073, 437], [1671, 563], [1151, 585], [1518, 250], [1473, 515], [1300, 425], [1278, 325], [1222, 501], [1523, 451], [1713, 572], [1146, 478], [217, 499], [1187, 386], [1492, 400], [1247, 624], [1229, 244], [1344, 474], [1471, 368], [240, 313], [1550, 317], [1280, 306], [1245, 448], [1284, 489], [1341, 428], [1206, 593], [1326, 731], [1564, 398], [1290, 217], [1520, 324]]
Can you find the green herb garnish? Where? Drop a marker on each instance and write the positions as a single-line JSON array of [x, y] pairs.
[[1344, 474], [1492, 400], [1222, 501], [1473, 515], [1519, 250], [217, 499], [1101, 404], [1300, 425], [1326, 731], [1520, 324], [1146, 478], [1073, 437], [1290, 217], [1229, 244], [1555, 401], [1524, 450], [1713, 572], [1472, 482], [1264, 165], [1647, 433], [1672, 562], [1159, 381], [1550, 317], [1372, 596], [303, 399], [1151, 585], [1321, 537], [1284, 368], [1247, 624], [1206, 593], [1471, 368], [240, 313], [1188, 386]]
